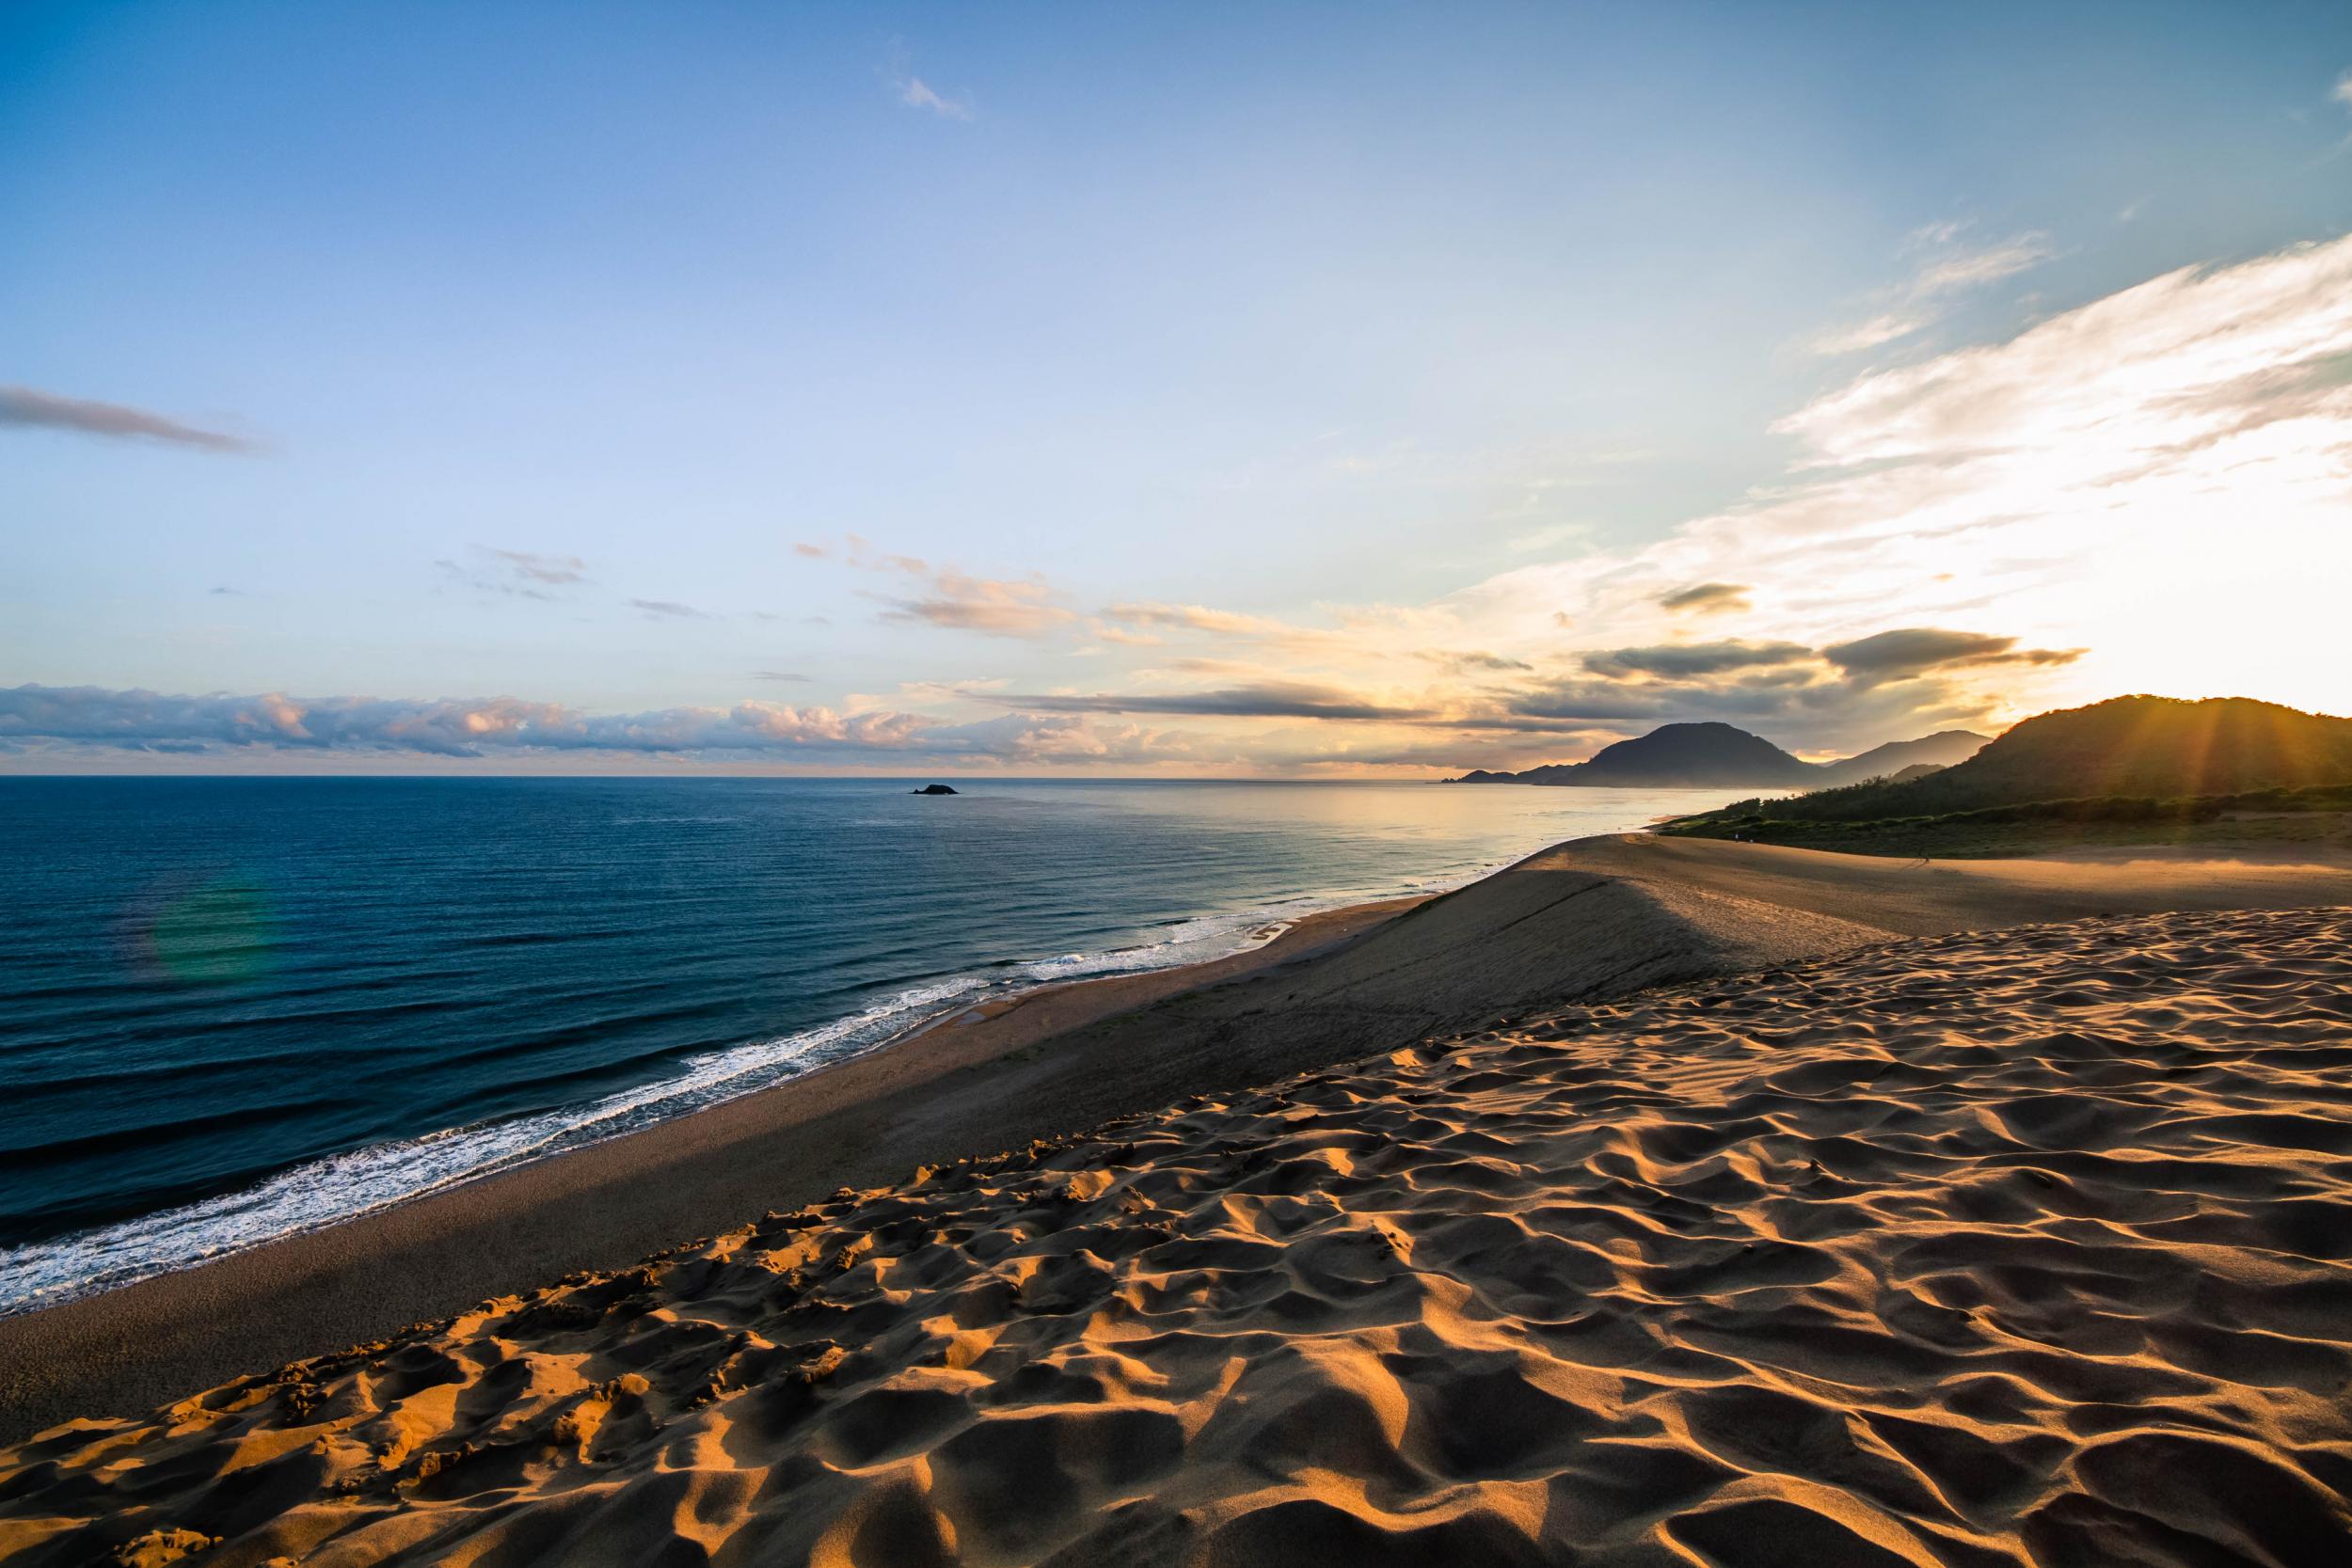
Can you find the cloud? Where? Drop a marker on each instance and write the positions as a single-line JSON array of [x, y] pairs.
[[1706, 598], [776, 675], [1945, 268], [1915, 650], [1955, 272], [1000, 608], [2065, 478], [73, 724], [26, 406], [671, 609], [1189, 617], [2127, 382], [945, 597], [2342, 91], [1865, 335], [2160, 475], [1256, 629], [1271, 700], [1067, 739], [1098, 628], [1579, 702], [1791, 706], [1683, 660], [1475, 661], [539, 568], [815, 553], [864, 554], [521, 574], [916, 93], [82, 718]]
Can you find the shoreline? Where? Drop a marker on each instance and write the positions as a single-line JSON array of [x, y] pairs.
[[116, 1327], [1043, 1006], [1591, 919]]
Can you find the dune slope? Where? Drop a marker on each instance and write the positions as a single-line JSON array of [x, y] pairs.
[[2028, 1247]]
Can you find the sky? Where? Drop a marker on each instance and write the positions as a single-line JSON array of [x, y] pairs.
[[1219, 391]]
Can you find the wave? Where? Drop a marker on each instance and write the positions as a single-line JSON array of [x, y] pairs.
[[320, 1192]]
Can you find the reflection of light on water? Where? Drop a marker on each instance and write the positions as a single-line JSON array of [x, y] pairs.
[[211, 932]]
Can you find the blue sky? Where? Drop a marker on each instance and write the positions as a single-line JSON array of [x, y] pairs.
[[1144, 389]]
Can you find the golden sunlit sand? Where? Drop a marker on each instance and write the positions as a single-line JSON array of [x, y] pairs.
[[2031, 1246]]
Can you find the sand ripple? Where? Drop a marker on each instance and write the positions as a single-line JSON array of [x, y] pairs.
[[2032, 1247]]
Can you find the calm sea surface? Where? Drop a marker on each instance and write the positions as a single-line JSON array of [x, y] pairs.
[[233, 1008]]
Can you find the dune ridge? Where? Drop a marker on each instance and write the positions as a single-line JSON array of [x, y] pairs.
[[2028, 1247]]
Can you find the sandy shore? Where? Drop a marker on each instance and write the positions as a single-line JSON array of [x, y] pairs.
[[863, 1119], [1926, 1251]]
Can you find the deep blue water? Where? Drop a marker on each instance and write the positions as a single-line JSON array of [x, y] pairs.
[[230, 1008]]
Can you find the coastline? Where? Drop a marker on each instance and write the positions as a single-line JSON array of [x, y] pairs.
[[175, 1237], [142, 1342], [1588, 920]]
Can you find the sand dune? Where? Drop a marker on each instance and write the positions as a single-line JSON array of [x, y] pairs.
[[1587, 921], [2030, 1247]]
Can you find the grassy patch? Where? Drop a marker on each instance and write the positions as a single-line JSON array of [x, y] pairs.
[[2277, 818]]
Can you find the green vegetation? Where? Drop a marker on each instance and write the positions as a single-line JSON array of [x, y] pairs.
[[2226, 772], [2126, 748], [2248, 818]]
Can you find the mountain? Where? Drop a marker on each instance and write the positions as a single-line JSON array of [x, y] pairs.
[[1940, 750], [1712, 755], [1671, 756], [2162, 747]]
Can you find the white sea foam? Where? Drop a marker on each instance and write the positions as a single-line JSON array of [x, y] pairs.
[[307, 1197], [312, 1195]]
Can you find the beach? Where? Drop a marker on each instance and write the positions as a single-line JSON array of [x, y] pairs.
[[1648, 1196]]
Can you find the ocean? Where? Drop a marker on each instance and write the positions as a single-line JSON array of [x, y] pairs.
[[237, 1009]]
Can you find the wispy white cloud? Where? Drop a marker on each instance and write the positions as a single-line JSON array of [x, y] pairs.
[[916, 93], [1944, 267], [1865, 334]]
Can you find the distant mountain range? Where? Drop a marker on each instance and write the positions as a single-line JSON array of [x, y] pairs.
[[1713, 755], [2159, 747]]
